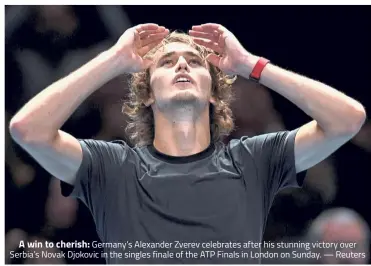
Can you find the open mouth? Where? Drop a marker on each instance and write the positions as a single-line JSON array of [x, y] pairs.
[[182, 80]]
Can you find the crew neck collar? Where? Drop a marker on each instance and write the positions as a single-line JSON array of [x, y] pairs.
[[181, 159]]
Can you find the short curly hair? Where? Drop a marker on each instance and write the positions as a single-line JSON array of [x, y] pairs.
[[140, 127]]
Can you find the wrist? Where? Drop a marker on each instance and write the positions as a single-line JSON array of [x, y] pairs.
[[113, 59], [247, 65]]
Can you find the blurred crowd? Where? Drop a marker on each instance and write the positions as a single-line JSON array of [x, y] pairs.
[[45, 43]]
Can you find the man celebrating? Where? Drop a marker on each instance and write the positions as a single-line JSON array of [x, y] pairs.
[[180, 194]]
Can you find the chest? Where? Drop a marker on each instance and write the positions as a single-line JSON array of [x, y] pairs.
[[186, 203]]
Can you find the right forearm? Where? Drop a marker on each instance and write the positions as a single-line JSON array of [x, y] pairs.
[[44, 114]]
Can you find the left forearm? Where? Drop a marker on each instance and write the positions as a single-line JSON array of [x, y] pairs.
[[333, 110]]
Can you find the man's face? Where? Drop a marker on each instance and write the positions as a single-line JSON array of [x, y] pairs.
[[179, 78]]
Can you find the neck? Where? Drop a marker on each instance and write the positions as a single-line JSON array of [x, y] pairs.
[[182, 133]]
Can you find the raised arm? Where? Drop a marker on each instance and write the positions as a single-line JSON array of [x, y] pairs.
[[337, 117], [36, 127]]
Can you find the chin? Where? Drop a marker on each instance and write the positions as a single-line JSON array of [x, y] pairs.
[[185, 95], [181, 99]]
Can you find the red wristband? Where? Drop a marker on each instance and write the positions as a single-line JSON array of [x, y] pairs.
[[258, 68]]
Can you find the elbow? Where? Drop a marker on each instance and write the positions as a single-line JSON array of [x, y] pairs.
[[23, 133], [348, 124], [356, 118], [17, 129], [359, 118]]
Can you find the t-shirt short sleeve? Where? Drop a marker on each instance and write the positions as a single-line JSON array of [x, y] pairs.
[[273, 157], [101, 162]]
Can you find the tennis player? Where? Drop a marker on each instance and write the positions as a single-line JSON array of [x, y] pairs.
[[179, 195]]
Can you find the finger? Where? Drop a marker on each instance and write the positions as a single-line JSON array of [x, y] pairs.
[[209, 44], [147, 34], [147, 26], [144, 50], [144, 34], [213, 26], [197, 28], [136, 39], [216, 29], [210, 27], [210, 36], [154, 37], [213, 59]]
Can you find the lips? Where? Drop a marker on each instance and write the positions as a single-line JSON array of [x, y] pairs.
[[182, 78]]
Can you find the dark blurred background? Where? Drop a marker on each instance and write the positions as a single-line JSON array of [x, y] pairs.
[[327, 43]]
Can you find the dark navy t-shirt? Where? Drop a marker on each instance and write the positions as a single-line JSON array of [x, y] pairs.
[[210, 207]]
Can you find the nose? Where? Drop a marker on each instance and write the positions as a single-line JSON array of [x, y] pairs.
[[182, 64]]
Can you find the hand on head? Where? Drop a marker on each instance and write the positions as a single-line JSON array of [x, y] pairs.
[[137, 41], [229, 53]]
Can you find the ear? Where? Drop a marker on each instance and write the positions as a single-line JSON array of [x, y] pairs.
[[212, 100], [149, 101]]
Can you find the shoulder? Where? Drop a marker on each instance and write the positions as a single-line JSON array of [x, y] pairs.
[[105, 150], [273, 138], [254, 145]]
